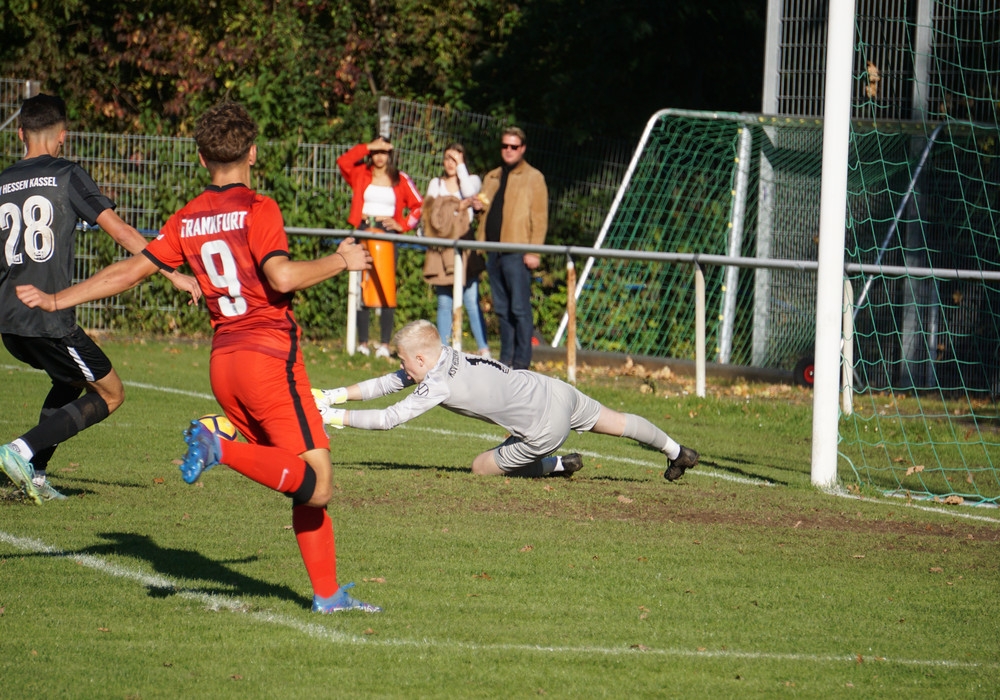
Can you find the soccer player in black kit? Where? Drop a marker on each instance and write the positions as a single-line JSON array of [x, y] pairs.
[[42, 197]]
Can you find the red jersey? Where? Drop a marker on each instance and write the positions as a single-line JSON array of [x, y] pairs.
[[226, 234]]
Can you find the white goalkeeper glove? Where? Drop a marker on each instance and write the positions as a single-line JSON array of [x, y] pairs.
[[334, 417], [331, 416], [329, 397]]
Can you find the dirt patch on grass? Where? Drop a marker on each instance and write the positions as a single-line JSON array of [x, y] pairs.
[[650, 506]]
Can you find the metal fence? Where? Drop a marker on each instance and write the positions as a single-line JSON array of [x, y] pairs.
[[150, 177], [923, 59]]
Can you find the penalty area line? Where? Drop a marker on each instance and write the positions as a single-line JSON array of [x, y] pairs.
[[216, 602]]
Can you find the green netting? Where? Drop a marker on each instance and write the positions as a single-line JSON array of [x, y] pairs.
[[680, 198], [718, 184], [927, 348], [923, 193]]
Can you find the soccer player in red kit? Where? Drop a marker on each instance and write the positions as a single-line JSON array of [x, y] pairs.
[[234, 240]]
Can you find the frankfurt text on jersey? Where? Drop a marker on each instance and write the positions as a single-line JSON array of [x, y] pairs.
[[217, 223]]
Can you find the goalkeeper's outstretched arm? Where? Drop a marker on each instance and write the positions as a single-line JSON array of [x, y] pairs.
[[362, 391]]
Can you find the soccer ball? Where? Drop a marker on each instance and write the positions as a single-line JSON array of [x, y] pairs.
[[220, 425]]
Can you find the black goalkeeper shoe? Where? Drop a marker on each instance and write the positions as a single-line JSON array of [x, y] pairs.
[[571, 464], [676, 467]]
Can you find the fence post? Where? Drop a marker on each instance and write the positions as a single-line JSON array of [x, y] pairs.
[[571, 320], [353, 282], [699, 333], [456, 301]]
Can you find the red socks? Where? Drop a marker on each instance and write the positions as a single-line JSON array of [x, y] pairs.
[[282, 471], [272, 467], [314, 533]]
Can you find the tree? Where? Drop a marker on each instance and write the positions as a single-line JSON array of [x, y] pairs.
[[313, 69], [605, 66]]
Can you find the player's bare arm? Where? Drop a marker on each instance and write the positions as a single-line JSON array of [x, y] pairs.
[[112, 280], [285, 275], [131, 240]]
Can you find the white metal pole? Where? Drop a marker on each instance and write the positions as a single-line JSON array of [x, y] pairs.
[[571, 322], [456, 301], [353, 282], [699, 332], [832, 220], [731, 289]]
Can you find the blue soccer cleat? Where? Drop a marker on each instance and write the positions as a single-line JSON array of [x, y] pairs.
[[204, 451], [340, 601], [20, 472]]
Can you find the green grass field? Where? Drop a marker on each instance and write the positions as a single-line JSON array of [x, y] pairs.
[[738, 580]]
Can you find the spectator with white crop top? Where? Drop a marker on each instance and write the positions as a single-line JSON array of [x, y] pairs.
[[384, 199]]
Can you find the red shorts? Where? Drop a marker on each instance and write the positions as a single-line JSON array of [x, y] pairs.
[[268, 399]]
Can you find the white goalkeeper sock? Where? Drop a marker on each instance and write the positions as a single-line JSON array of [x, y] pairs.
[[552, 464]]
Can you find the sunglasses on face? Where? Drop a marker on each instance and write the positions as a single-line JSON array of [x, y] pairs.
[[378, 153], [509, 147]]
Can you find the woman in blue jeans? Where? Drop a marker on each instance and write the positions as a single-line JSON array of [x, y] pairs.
[[449, 215]]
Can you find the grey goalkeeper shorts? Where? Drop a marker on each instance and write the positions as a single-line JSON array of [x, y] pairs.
[[567, 409]]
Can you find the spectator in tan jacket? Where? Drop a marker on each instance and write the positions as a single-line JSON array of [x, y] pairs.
[[514, 208]]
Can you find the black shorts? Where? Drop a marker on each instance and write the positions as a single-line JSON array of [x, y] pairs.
[[72, 359]]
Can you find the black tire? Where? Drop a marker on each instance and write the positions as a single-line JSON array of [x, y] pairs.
[[803, 374]]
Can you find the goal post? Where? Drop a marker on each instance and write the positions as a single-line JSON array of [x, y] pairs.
[[832, 220]]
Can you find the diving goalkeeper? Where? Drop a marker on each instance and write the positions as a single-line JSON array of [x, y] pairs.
[[538, 411]]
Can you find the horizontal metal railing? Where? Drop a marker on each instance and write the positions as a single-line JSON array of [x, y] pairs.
[[696, 260]]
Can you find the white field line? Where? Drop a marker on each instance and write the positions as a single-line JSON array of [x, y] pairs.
[[216, 602], [841, 493], [169, 390]]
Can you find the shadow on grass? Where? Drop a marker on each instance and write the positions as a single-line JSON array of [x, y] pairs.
[[729, 468], [188, 565], [594, 477], [401, 466], [60, 482]]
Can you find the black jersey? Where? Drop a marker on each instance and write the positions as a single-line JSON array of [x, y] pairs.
[[41, 200]]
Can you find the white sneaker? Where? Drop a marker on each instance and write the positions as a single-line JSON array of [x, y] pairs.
[[486, 354], [383, 351], [363, 349], [45, 489]]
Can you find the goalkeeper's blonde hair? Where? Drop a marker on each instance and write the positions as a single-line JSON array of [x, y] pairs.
[[417, 336]]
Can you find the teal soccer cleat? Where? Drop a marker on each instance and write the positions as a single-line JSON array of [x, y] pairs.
[[204, 451], [20, 472], [45, 490], [340, 601]]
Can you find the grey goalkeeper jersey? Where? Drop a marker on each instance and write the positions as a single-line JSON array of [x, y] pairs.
[[516, 400]]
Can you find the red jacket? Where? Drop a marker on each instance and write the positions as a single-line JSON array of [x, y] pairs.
[[358, 175]]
